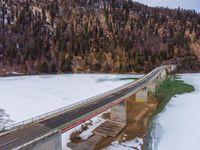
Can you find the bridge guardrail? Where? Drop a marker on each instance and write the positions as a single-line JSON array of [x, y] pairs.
[[72, 106]]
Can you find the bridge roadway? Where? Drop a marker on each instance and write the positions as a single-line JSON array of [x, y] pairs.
[[30, 132]]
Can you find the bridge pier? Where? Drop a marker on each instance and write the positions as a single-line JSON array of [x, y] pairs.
[[53, 142], [116, 123], [161, 77], [118, 113], [151, 88], [163, 73], [142, 95], [171, 69]]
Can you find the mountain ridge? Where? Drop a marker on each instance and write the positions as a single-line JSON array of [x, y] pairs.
[[113, 36]]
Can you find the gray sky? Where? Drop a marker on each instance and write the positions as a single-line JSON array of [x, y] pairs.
[[186, 4]]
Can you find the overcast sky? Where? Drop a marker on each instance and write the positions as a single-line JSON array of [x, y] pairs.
[[186, 4]]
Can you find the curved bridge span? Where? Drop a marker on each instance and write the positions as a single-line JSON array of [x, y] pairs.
[[27, 134]]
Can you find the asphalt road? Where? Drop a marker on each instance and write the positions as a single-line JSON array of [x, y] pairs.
[[31, 132]]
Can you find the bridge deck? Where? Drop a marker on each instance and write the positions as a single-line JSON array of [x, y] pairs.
[[31, 132]]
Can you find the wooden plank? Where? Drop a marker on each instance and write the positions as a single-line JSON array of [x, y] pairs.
[[109, 128]]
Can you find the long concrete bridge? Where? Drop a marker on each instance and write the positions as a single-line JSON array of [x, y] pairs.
[[44, 132]]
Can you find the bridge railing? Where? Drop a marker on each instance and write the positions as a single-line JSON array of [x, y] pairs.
[[71, 107]]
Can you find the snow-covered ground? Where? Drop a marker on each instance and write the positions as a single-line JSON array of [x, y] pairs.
[[134, 144], [177, 127], [96, 121], [24, 97]]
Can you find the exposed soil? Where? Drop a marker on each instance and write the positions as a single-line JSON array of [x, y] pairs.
[[138, 115], [88, 144], [11, 71]]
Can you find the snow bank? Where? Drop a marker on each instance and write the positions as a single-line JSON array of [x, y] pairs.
[[180, 120], [4, 118], [96, 121], [127, 145]]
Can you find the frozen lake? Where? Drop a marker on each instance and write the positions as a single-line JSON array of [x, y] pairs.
[[24, 97], [178, 125]]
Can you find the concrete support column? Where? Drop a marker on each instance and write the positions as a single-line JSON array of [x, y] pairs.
[[141, 96], [152, 87], [163, 73], [162, 77], [53, 142], [118, 113], [160, 80], [132, 97], [173, 68]]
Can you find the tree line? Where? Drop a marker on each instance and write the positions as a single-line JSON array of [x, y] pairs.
[[121, 36]]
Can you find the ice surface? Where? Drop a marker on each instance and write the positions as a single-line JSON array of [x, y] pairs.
[[25, 97], [180, 120]]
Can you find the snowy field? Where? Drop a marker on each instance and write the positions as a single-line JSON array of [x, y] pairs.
[[135, 144], [25, 97], [96, 121], [178, 125]]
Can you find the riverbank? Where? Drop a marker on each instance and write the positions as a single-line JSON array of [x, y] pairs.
[[21, 70]]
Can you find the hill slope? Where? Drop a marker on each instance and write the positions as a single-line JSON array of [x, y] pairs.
[[118, 36]]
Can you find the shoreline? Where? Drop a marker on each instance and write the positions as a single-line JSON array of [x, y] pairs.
[[20, 71]]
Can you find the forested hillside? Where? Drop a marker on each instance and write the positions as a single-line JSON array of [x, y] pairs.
[[115, 36]]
